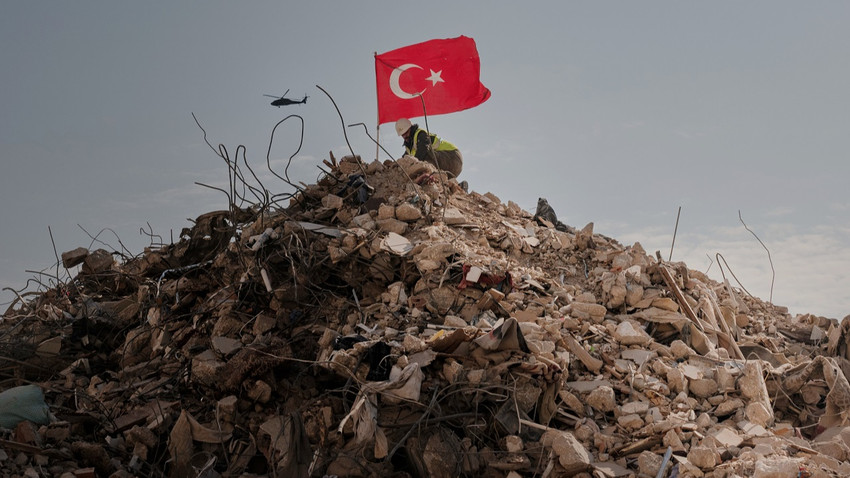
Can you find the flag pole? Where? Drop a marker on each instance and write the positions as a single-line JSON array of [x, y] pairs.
[[377, 110]]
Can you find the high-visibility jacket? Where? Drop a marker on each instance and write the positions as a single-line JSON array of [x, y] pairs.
[[436, 143]]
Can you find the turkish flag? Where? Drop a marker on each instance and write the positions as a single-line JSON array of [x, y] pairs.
[[445, 72]]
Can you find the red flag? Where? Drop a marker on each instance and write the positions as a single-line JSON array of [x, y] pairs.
[[445, 72]]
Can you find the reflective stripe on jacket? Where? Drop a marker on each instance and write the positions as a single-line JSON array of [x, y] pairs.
[[436, 143]]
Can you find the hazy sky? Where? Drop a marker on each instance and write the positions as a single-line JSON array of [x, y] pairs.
[[618, 113]]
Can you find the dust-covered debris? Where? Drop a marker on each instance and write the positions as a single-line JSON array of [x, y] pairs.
[[387, 323]]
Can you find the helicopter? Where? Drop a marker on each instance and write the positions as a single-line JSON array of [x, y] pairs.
[[283, 100]]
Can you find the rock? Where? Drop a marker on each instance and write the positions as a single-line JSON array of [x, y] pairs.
[[392, 225], [702, 388], [758, 414], [454, 321], [727, 437], [728, 407], [263, 323], [225, 345], [778, 467], [440, 457], [75, 257], [616, 296], [345, 466], [634, 294], [25, 432], [97, 262], [630, 422], [332, 201], [680, 350], [753, 430], [206, 367], [628, 333], [752, 386], [567, 448], [364, 221], [142, 439], [602, 399], [666, 303], [638, 356], [638, 408], [386, 211], [584, 310], [260, 391], [836, 448], [513, 444], [704, 421], [453, 216], [57, 431], [433, 256], [407, 212], [672, 439], [226, 408], [703, 457], [649, 463], [725, 379], [676, 380], [584, 238]]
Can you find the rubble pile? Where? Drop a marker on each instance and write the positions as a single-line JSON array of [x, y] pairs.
[[388, 323]]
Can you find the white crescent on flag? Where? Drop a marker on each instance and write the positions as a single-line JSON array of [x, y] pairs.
[[396, 88]]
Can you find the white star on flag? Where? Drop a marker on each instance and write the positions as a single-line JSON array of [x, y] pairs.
[[435, 77]]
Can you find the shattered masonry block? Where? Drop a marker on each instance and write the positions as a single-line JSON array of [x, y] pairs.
[[349, 167], [602, 399], [75, 257], [666, 303], [227, 408], [587, 310], [680, 350], [97, 262], [226, 346], [386, 211], [703, 387], [407, 212], [757, 413], [206, 367], [639, 408], [365, 221], [332, 201], [777, 467], [264, 323], [513, 444], [392, 225], [630, 422], [569, 450], [260, 391], [453, 216], [627, 333], [728, 407], [703, 457], [649, 463], [673, 440]]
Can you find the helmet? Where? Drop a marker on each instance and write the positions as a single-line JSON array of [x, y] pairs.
[[402, 125]]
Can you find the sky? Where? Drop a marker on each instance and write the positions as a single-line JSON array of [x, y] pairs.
[[653, 120]]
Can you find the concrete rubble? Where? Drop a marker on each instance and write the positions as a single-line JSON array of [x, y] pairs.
[[387, 323]]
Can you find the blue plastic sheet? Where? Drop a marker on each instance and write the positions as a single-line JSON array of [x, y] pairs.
[[23, 403]]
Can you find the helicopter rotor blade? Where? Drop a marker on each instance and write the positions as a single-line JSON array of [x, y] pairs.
[[272, 96]]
